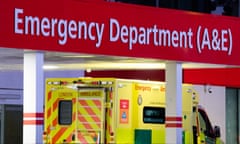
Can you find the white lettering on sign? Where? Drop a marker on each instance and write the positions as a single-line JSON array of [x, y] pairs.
[[18, 21], [33, 25], [144, 36], [214, 40]]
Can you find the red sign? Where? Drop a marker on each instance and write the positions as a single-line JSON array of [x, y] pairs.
[[120, 30], [124, 111], [124, 104]]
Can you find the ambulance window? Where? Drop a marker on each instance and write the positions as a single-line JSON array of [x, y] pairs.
[[154, 115], [65, 112]]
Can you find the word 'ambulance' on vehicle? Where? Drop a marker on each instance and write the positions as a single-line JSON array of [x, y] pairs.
[[117, 111]]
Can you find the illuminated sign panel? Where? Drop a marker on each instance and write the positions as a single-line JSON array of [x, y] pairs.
[[120, 30]]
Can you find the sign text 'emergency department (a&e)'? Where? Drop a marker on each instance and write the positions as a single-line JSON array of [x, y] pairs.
[[202, 38]]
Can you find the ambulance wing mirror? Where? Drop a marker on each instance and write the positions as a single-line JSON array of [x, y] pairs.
[[217, 132]]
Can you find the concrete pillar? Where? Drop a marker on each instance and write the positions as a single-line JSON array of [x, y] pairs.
[[173, 103], [33, 95]]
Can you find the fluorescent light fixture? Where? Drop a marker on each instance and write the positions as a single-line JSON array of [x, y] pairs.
[[50, 67], [111, 66], [78, 56]]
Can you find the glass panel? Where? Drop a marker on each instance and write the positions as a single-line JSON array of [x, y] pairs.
[[154, 115], [65, 112]]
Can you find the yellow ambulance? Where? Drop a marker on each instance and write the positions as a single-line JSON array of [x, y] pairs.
[[118, 111]]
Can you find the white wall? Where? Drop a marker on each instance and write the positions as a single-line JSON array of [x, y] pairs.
[[214, 104], [11, 87]]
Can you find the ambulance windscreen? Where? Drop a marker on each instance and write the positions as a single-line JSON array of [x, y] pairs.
[[65, 112], [154, 115]]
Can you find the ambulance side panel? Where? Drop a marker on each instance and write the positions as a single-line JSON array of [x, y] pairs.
[[149, 113], [140, 112], [124, 112]]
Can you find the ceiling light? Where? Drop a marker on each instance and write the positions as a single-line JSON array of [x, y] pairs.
[[88, 70], [78, 56], [109, 65], [50, 67]]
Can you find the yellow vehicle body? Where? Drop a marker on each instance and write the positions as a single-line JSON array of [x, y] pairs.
[[112, 111]]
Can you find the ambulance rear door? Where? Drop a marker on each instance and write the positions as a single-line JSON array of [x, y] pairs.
[[90, 127], [59, 115]]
